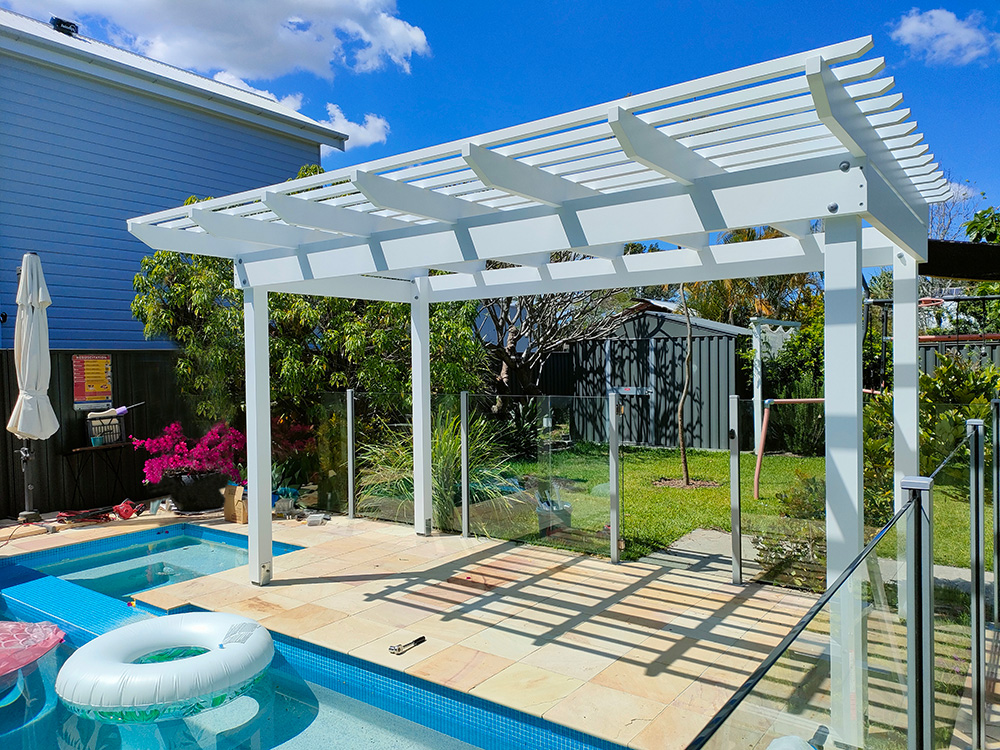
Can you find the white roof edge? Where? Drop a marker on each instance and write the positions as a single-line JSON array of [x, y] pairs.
[[26, 37]]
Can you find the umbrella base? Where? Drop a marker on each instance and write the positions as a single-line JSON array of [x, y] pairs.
[[29, 516]]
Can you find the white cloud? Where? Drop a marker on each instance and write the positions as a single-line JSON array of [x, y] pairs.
[[942, 38], [373, 130], [963, 191], [249, 39], [292, 101]]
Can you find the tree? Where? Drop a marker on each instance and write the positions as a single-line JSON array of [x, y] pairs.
[[984, 226], [521, 333], [317, 344], [948, 218]]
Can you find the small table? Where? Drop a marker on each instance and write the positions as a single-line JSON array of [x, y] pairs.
[[110, 454]]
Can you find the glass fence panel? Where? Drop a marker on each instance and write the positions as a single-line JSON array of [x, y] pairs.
[[539, 471], [783, 496], [384, 457], [309, 459], [952, 557], [446, 462], [815, 691]]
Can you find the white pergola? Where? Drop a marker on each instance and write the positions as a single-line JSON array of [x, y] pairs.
[[811, 137]]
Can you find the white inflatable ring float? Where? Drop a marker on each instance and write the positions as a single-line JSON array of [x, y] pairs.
[[165, 668]]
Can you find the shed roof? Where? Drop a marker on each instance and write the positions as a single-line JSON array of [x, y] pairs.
[[38, 41], [660, 309], [783, 143]]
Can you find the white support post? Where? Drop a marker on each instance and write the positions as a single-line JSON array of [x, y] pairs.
[[258, 385], [420, 343], [351, 509], [758, 382], [614, 475], [844, 469], [905, 373]]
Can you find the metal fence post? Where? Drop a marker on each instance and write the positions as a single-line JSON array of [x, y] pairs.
[[350, 453], [464, 403], [995, 533], [614, 475], [734, 488], [977, 524], [920, 606]]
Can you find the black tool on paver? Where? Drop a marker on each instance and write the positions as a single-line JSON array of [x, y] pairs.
[[402, 648]]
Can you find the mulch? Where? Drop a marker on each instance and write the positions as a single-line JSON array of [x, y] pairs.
[[679, 483]]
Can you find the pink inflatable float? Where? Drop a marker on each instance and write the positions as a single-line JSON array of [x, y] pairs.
[[22, 644]]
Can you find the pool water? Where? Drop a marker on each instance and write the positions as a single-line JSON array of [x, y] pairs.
[[281, 711], [127, 571]]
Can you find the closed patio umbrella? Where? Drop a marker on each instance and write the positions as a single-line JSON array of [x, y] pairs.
[[33, 417]]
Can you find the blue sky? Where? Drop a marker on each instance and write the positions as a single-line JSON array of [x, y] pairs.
[[403, 75]]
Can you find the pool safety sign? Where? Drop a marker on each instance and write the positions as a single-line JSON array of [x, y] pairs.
[[91, 381]]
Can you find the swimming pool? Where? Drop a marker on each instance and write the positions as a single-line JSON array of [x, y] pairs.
[[128, 564], [312, 696]]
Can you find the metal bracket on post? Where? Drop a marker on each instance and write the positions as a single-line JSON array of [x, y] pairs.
[[464, 404], [920, 607], [976, 430], [734, 488], [614, 475], [350, 453]]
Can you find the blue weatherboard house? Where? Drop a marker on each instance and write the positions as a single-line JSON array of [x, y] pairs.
[[91, 135]]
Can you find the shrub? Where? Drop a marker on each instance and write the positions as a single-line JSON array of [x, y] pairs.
[[385, 483]]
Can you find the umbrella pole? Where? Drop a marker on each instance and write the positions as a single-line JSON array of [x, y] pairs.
[[29, 514]]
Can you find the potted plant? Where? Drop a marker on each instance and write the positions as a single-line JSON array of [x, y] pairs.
[[193, 474]]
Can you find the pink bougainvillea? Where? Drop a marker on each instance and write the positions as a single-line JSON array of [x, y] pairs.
[[172, 454]]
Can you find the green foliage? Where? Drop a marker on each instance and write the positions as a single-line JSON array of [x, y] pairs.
[[984, 226], [318, 344], [385, 482], [959, 389], [791, 548], [798, 428]]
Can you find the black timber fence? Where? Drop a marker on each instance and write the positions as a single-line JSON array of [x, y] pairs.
[[136, 376]]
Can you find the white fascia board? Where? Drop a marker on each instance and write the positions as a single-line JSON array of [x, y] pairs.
[[200, 93], [796, 192], [894, 218], [839, 112], [307, 213], [511, 176], [192, 243]]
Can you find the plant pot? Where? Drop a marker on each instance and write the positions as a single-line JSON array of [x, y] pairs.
[[196, 492]]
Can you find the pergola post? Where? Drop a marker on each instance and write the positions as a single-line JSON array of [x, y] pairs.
[[844, 467], [258, 386], [905, 373], [420, 343]]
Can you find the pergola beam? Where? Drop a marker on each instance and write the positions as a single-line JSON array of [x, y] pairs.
[[783, 195], [840, 113], [647, 145], [308, 213], [409, 199], [512, 176]]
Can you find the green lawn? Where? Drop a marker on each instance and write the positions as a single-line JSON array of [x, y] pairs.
[[656, 516]]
